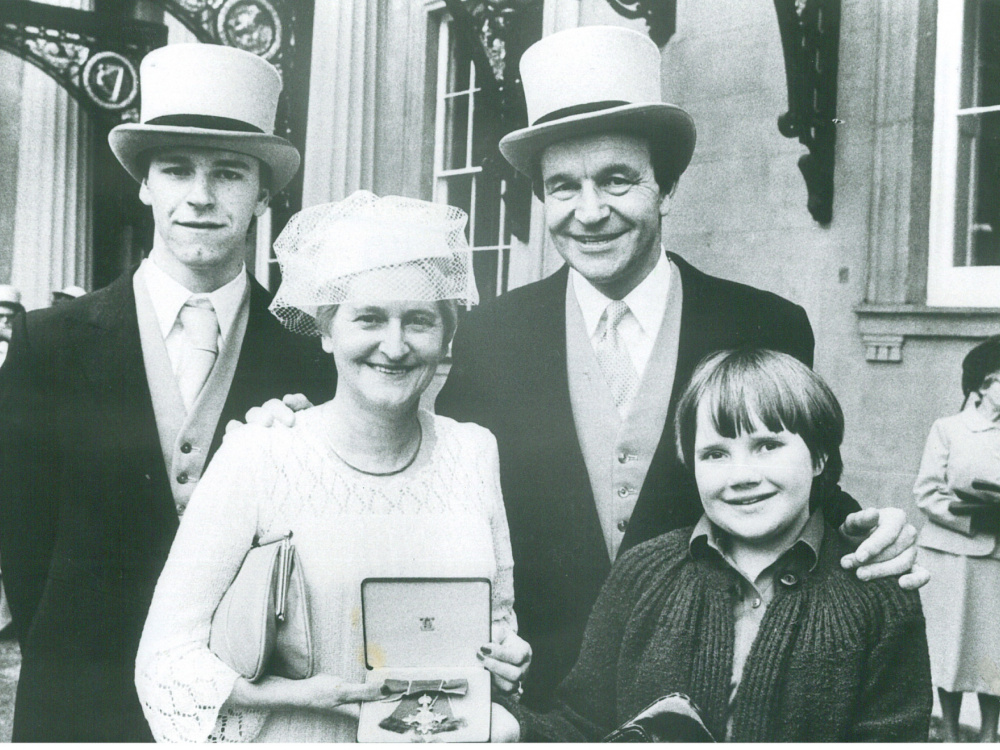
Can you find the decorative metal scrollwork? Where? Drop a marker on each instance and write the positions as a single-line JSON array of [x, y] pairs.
[[660, 16], [280, 31], [810, 38], [94, 61], [263, 27], [110, 80], [251, 25]]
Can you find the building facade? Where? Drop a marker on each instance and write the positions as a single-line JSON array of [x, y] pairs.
[[900, 278]]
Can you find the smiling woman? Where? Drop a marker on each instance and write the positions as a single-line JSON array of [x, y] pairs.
[[370, 485]]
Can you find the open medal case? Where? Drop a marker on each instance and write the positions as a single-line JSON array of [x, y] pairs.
[[421, 639]]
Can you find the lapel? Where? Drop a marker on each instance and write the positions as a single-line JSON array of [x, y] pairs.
[[703, 327], [106, 339], [544, 398], [257, 353], [669, 498]]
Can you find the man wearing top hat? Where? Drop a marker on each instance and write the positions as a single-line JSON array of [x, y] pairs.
[[111, 404], [577, 374]]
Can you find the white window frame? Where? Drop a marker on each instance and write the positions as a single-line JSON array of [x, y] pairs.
[[441, 176], [949, 285]]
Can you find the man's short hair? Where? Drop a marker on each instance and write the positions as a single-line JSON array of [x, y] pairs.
[[664, 172], [747, 385]]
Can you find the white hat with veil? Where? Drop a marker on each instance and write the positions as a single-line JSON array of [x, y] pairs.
[[366, 248]]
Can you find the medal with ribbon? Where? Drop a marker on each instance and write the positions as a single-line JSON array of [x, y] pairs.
[[424, 705]]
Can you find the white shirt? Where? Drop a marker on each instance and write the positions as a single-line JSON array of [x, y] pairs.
[[647, 304], [169, 296]]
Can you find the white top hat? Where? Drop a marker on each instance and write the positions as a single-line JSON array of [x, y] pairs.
[[209, 96], [70, 292], [10, 296], [591, 79]]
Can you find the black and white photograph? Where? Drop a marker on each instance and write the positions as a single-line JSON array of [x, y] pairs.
[[395, 371]]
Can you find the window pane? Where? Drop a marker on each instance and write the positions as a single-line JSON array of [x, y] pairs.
[[457, 191], [988, 54], [456, 131], [458, 73], [977, 211]]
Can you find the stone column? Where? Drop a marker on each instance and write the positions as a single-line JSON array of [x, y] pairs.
[[340, 140], [52, 234]]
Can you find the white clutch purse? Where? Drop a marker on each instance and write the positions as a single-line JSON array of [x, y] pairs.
[[261, 626]]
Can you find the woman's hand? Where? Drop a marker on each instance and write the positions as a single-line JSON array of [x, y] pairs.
[[326, 692], [322, 692], [507, 660]]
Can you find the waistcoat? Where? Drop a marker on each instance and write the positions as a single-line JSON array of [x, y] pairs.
[[617, 451], [185, 437]]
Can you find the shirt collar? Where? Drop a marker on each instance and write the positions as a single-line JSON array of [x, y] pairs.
[[169, 296], [706, 536], [976, 422], [648, 301]]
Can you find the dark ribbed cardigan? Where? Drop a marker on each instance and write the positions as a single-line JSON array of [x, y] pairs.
[[836, 659]]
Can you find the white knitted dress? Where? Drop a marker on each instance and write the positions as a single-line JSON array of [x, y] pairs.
[[442, 517]]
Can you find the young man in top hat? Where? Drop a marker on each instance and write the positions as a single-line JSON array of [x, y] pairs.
[[577, 375], [112, 404]]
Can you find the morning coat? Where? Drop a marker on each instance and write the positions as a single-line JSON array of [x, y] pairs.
[[509, 375], [86, 512]]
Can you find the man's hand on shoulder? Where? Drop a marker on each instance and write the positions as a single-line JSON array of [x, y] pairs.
[[276, 411], [886, 547]]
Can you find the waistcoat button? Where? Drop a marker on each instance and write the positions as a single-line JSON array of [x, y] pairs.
[[622, 457], [623, 524], [182, 478], [623, 491], [186, 448]]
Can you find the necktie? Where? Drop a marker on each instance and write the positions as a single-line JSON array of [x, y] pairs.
[[201, 331], [613, 357]]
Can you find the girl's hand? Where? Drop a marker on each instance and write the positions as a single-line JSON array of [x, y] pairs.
[[503, 725], [507, 660], [325, 692]]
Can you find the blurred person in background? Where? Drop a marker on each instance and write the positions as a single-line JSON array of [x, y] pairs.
[[66, 294], [958, 489], [10, 306]]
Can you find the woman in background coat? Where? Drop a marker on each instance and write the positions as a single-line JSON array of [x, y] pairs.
[[959, 545]]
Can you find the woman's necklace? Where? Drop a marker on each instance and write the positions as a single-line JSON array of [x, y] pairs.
[[400, 470]]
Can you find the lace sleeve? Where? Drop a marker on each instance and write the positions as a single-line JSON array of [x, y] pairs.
[[504, 619], [181, 684]]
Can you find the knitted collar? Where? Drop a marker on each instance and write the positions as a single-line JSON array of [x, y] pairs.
[[792, 567]]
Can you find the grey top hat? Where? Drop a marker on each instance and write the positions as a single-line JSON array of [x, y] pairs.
[[593, 79], [10, 298], [209, 96]]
